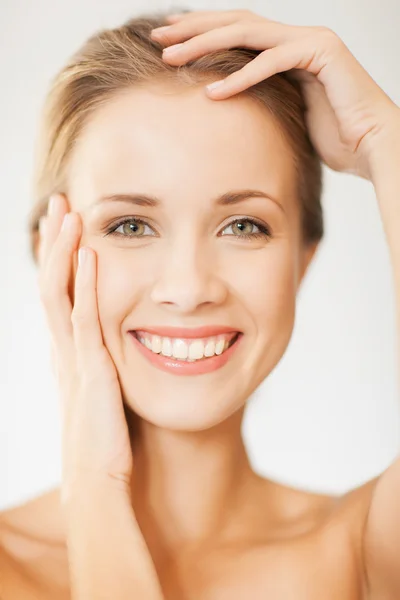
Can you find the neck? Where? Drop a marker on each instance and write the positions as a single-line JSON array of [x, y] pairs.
[[188, 486]]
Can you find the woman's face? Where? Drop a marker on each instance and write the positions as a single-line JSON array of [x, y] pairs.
[[186, 264]]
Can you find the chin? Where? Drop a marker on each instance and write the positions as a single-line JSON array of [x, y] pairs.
[[178, 408]]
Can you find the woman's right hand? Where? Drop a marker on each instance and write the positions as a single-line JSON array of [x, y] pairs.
[[101, 527], [96, 446]]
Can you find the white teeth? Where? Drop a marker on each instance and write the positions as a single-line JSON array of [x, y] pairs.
[[219, 347], [180, 349], [156, 344], [196, 350], [209, 350], [183, 350], [166, 349]]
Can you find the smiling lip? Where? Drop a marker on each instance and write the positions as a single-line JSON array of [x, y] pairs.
[[180, 367], [186, 333]]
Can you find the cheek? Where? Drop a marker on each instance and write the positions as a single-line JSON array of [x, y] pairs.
[[118, 285], [277, 297], [272, 306], [266, 284]]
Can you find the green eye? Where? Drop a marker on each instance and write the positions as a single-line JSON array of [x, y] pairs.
[[130, 228], [242, 228], [245, 231]]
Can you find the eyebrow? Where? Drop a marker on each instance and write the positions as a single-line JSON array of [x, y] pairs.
[[229, 198]]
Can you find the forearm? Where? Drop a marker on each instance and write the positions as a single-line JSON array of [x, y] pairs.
[[108, 556], [385, 176]]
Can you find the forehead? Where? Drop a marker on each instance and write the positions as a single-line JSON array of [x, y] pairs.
[[159, 139]]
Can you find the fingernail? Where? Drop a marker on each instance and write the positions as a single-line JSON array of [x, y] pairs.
[[67, 223], [213, 86], [82, 256], [172, 49]]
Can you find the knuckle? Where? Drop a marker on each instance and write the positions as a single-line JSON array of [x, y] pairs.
[[322, 29], [245, 34], [329, 36], [244, 12], [169, 38]]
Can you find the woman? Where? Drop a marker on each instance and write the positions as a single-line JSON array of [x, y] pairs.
[[195, 222]]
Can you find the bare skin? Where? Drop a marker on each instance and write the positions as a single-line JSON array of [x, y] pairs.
[[213, 528], [293, 545], [275, 540]]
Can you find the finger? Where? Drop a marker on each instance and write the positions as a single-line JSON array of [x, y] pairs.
[[92, 356], [323, 118], [54, 289], [173, 18], [216, 17], [42, 229], [322, 54], [256, 35], [57, 208], [297, 54], [200, 22], [196, 14]]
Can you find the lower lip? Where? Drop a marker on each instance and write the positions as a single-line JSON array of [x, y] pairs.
[[180, 367]]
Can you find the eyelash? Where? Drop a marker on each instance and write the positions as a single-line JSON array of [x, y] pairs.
[[263, 233]]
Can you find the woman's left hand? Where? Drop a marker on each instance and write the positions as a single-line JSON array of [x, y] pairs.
[[347, 112]]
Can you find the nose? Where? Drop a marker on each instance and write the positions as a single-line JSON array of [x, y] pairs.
[[188, 278]]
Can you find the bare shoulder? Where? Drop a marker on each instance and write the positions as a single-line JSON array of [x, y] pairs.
[[348, 513], [325, 510], [343, 515], [322, 537], [348, 517], [31, 547], [311, 542]]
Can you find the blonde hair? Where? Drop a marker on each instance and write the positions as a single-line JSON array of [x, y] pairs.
[[126, 56]]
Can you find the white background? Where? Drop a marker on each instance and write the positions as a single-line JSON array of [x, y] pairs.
[[327, 419]]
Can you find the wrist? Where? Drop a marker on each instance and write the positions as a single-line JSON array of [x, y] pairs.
[[101, 529], [382, 148], [101, 488]]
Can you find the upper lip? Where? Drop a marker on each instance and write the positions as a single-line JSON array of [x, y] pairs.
[[184, 332]]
